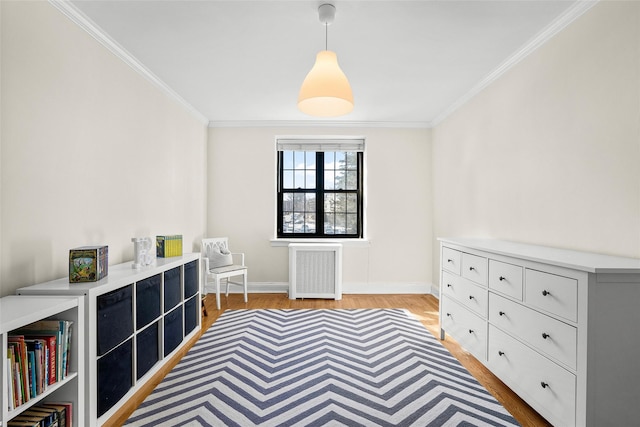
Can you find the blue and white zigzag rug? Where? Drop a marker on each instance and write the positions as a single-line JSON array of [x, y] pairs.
[[361, 367]]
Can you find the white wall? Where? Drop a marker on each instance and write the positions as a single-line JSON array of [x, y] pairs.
[[92, 153], [242, 205], [550, 153]]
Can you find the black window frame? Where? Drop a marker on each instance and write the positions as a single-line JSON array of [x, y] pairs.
[[320, 192]]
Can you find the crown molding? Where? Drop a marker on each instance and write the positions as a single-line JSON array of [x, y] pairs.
[[316, 124], [80, 19], [560, 23]]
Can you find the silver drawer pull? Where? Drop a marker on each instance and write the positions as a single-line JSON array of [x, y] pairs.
[[501, 278], [500, 353], [501, 313], [544, 385], [545, 335], [545, 293]]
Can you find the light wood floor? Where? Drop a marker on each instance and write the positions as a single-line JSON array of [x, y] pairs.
[[424, 307]]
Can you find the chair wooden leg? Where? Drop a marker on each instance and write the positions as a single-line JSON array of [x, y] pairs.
[[204, 307]]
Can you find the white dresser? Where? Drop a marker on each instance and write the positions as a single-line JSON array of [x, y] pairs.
[[561, 328]]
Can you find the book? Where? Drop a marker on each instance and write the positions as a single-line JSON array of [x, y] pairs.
[[17, 394], [20, 351], [31, 372], [88, 263], [27, 418], [11, 398], [65, 412], [37, 346], [169, 245], [48, 416], [23, 423]]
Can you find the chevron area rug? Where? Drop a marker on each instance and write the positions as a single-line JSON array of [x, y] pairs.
[[359, 367]]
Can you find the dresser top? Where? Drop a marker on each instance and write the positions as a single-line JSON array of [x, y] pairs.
[[577, 260]]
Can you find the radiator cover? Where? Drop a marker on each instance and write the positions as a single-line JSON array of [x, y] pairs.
[[315, 270]]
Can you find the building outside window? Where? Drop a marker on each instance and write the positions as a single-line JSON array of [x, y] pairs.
[[320, 188]]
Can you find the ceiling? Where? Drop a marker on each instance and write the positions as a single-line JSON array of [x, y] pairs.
[[410, 63]]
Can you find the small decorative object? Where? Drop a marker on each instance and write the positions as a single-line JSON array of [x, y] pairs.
[[88, 263], [142, 251], [169, 245]]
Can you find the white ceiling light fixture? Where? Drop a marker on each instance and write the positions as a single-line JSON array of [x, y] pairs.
[[326, 92]]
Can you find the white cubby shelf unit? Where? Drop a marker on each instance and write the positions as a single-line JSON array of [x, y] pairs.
[[136, 320], [17, 312]]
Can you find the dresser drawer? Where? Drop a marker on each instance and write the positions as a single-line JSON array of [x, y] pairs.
[[451, 260], [552, 293], [505, 278], [475, 268], [546, 386], [545, 334], [467, 293], [465, 327]]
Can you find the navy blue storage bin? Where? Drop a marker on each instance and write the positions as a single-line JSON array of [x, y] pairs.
[[115, 376], [148, 352], [190, 279], [172, 330], [191, 313], [148, 300], [115, 318], [171, 288]]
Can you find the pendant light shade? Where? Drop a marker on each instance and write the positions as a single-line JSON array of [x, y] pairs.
[[325, 91]]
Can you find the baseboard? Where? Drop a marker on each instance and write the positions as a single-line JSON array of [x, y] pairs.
[[382, 288], [348, 288]]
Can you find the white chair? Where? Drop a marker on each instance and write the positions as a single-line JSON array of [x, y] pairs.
[[218, 263]]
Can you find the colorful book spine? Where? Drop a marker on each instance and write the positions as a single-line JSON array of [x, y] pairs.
[[169, 246]]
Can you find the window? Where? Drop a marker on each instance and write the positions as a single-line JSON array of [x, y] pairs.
[[320, 188]]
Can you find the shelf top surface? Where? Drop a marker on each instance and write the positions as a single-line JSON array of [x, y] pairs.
[[577, 260], [17, 311], [119, 275]]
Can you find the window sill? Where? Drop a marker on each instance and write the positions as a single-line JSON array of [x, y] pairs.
[[345, 242]]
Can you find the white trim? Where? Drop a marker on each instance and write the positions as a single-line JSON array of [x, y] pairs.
[[379, 288], [80, 19], [386, 288], [316, 123], [570, 15], [284, 242]]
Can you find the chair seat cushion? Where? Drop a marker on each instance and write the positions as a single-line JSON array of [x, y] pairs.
[[227, 269]]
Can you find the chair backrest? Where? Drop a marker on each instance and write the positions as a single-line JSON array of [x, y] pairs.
[[217, 251], [207, 243]]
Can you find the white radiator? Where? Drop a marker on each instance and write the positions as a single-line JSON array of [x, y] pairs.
[[315, 270]]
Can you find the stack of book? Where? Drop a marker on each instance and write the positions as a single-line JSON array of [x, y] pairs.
[[168, 246], [45, 415], [38, 356]]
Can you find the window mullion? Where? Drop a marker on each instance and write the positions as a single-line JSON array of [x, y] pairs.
[[320, 193]]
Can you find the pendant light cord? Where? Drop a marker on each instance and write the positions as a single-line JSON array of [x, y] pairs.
[[326, 36]]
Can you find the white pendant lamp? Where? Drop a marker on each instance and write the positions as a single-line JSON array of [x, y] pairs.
[[326, 92]]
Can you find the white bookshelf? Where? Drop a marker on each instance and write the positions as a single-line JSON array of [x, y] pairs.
[[17, 312], [151, 327]]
